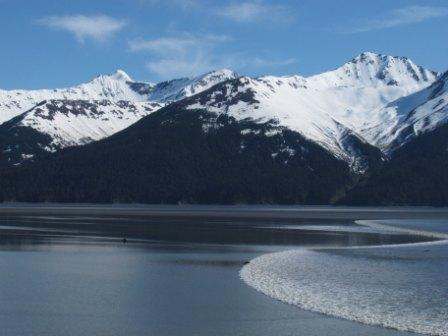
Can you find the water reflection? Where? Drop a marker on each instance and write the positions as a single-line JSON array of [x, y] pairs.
[[19, 232], [73, 275]]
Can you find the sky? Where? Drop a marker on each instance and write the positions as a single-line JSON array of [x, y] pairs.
[[59, 43]]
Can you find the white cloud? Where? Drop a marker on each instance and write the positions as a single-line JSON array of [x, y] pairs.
[[98, 27], [163, 45], [181, 45], [188, 55], [259, 62], [252, 10], [183, 55], [242, 11], [399, 17], [183, 4]]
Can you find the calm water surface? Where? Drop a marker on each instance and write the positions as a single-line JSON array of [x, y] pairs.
[[73, 275]]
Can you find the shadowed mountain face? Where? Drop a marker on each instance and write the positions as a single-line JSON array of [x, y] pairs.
[[417, 174], [177, 155]]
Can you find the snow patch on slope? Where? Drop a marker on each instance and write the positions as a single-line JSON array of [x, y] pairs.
[[411, 115], [324, 108], [114, 87], [77, 122], [97, 109], [177, 89]]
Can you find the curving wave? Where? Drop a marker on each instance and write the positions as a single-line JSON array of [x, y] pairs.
[[402, 287]]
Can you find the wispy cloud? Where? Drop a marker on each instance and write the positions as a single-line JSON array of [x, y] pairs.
[[183, 55], [399, 17], [174, 68], [259, 62], [253, 10], [242, 11], [97, 28], [193, 54], [183, 4], [181, 45]]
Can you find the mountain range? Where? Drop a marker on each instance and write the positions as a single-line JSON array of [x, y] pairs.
[[364, 133]]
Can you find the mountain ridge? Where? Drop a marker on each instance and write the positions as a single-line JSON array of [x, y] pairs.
[[351, 102], [99, 108], [235, 139]]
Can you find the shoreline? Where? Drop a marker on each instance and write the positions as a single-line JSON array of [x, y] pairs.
[[226, 211]]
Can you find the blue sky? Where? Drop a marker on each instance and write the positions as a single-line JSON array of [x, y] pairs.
[[60, 43]]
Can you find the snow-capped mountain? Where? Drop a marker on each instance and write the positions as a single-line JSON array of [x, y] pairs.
[[221, 138], [168, 158], [177, 89], [55, 124], [371, 69], [353, 92], [410, 116], [74, 122], [87, 112], [114, 87], [324, 108], [369, 101]]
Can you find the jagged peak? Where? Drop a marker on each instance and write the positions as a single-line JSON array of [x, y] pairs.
[[179, 88], [370, 55], [121, 75], [221, 73], [370, 68], [366, 55], [118, 75], [369, 58]]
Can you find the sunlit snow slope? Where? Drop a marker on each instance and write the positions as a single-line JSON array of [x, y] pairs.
[[112, 87], [55, 119], [326, 107], [409, 116], [373, 100]]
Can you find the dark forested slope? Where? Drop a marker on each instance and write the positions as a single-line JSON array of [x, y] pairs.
[[417, 174], [178, 155]]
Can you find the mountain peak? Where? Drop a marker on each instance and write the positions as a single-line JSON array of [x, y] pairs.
[[185, 87], [224, 72], [371, 58], [121, 76], [367, 55], [216, 76], [372, 69]]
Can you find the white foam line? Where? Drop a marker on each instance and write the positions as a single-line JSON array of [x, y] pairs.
[[372, 247], [326, 228], [296, 277], [376, 225], [296, 283]]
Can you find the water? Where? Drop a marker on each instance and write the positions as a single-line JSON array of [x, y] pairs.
[[404, 287], [70, 274]]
